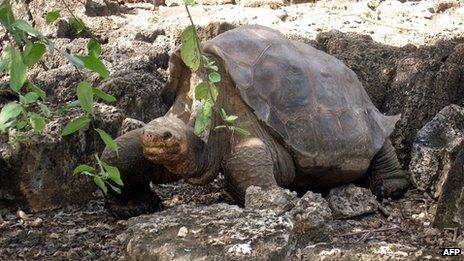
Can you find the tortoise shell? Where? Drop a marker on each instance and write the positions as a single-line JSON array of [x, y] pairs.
[[312, 102]]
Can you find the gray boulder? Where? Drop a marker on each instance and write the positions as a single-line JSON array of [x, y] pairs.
[[129, 124], [216, 232], [275, 198], [350, 201], [36, 169], [435, 149], [450, 207], [312, 218]]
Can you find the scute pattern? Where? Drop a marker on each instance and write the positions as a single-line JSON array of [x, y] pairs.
[[311, 100]]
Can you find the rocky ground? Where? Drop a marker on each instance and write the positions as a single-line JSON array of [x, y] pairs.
[[401, 230], [409, 55]]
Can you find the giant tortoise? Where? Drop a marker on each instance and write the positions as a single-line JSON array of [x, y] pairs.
[[312, 125]]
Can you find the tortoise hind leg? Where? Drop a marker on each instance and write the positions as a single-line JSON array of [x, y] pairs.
[[136, 198], [386, 178]]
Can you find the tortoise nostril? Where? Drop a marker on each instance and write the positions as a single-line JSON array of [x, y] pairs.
[[167, 135], [148, 135]]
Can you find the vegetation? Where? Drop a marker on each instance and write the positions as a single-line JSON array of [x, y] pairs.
[[206, 91], [26, 47]]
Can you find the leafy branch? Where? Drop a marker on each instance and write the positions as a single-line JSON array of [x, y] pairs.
[[206, 91], [27, 45]]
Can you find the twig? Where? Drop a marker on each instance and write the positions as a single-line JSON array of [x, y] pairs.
[[384, 211], [369, 231], [77, 19]]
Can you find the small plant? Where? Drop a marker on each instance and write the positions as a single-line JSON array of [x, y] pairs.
[[206, 91], [27, 45]]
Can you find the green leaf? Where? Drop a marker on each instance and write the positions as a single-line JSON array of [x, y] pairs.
[[189, 50], [26, 27], [204, 90], [214, 77], [189, 2], [203, 118], [113, 173], [77, 23], [10, 111], [83, 168], [6, 14], [94, 64], [231, 118], [5, 61], [17, 69], [103, 95], [74, 60], [37, 90], [45, 110], [21, 124], [108, 140], [213, 91], [51, 16], [212, 67], [240, 131], [85, 96], [34, 54], [37, 122], [75, 125], [94, 48], [100, 183], [30, 97]]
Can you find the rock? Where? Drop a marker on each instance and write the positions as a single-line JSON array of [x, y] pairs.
[[137, 92], [450, 207], [148, 36], [129, 124], [350, 201], [100, 8], [60, 83], [36, 169], [258, 3], [443, 5], [311, 217], [66, 30], [373, 4], [302, 1], [277, 199], [183, 231], [200, 2], [435, 149], [216, 232]]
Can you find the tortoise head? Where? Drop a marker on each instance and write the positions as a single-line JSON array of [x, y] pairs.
[[168, 141]]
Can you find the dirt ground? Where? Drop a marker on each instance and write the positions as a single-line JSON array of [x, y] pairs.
[[401, 230]]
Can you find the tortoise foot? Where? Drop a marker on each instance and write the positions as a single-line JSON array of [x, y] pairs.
[[393, 188], [127, 208]]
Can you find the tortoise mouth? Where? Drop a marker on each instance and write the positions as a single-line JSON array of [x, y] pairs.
[[159, 147]]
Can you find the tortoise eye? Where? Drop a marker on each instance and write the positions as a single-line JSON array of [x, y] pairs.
[[166, 135]]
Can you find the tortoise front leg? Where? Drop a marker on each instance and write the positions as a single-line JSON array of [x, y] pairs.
[[137, 172], [386, 178], [250, 163]]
